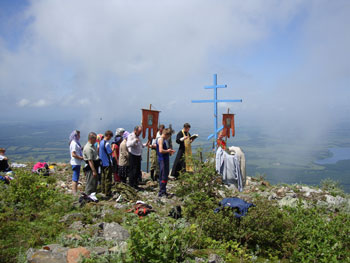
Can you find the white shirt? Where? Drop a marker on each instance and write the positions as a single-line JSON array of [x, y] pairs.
[[154, 141], [134, 144], [74, 147]]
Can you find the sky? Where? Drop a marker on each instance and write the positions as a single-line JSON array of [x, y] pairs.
[[100, 62]]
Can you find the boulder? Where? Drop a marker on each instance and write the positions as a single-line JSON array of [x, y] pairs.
[[46, 256], [308, 191], [56, 248], [273, 196], [115, 232], [213, 258], [288, 201], [335, 201], [282, 191], [74, 254], [291, 194]]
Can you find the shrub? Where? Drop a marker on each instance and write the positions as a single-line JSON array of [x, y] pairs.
[[320, 238], [263, 229], [204, 179], [152, 240], [30, 210]]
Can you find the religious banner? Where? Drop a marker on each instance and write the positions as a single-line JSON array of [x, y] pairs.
[[228, 121], [150, 122]]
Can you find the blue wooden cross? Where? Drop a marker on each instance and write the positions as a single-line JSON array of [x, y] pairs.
[[215, 101]]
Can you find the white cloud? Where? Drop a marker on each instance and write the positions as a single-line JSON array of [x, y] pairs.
[[124, 55], [23, 102], [41, 103]]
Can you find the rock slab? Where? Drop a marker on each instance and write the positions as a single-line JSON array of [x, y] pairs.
[[114, 231], [74, 254]]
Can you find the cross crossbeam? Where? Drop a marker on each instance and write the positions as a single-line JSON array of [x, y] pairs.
[[215, 101]]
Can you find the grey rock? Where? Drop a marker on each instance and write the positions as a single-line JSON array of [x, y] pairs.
[[322, 203], [282, 191], [199, 260], [114, 231], [221, 193], [213, 258], [30, 253], [292, 202], [335, 201], [47, 256], [272, 197], [56, 248], [291, 194], [288, 201], [308, 191]]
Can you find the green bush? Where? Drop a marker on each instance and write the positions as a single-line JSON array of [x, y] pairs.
[[154, 241], [30, 210], [204, 179], [320, 237], [262, 230]]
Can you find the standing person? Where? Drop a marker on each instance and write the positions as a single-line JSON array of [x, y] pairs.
[[76, 156], [135, 146], [105, 153], [92, 161], [154, 159], [115, 157], [99, 138], [220, 141], [123, 168], [183, 160], [163, 153]]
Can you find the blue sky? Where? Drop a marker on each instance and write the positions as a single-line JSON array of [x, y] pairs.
[[85, 59]]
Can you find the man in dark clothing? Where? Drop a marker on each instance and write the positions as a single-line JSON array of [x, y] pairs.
[[184, 154]]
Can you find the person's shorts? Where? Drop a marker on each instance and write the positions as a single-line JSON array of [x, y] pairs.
[[76, 173]]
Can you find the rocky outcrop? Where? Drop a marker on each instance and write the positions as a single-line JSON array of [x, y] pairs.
[[115, 232]]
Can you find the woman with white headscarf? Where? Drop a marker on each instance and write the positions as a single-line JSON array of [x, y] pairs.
[[76, 155]]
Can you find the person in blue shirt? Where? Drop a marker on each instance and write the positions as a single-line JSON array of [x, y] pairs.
[[163, 154], [105, 154]]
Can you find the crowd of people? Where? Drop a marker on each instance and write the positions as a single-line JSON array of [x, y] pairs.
[[116, 158]]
